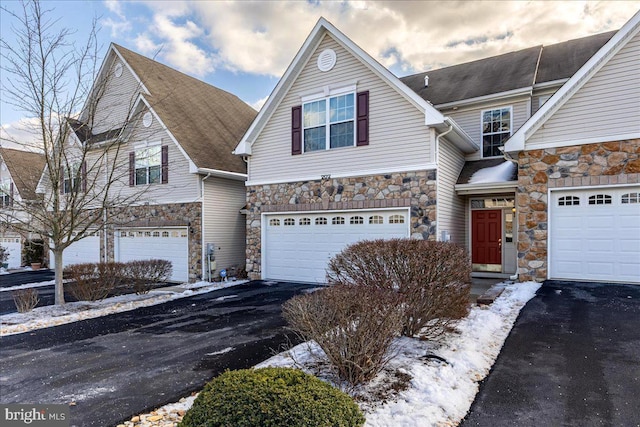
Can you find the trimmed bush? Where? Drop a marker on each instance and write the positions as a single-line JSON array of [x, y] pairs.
[[25, 299], [354, 326], [433, 278], [91, 281], [271, 397], [33, 251], [144, 274]]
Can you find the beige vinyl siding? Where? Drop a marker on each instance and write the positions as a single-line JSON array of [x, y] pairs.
[[398, 137], [538, 95], [608, 105], [450, 206], [470, 119], [116, 102], [223, 223], [183, 186]]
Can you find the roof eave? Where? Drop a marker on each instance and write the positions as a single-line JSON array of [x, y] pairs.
[[486, 188]]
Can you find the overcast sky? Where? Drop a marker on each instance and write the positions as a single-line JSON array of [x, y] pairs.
[[244, 47]]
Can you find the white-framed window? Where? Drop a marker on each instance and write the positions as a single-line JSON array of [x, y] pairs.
[[337, 220], [289, 221], [376, 219], [496, 128], [305, 221], [329, 123], [600, 199], [72, 178], [149, 165], [321, 221], [274, 222], [630, 198], [356, 220], [5, 193]]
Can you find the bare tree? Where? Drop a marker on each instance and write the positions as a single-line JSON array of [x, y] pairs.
[[60, 87]]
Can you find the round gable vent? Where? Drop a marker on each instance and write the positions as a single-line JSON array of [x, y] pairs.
[[326, 60], [118, 69], [147, 118]]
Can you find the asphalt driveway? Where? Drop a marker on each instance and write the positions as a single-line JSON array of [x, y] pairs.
[[572, 359], [120, 365]]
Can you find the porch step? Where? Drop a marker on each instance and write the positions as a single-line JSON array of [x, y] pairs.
[[491, 294]]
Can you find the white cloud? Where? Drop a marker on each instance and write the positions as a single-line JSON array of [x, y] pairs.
[[22, 135], [257, 105], [263, 37]]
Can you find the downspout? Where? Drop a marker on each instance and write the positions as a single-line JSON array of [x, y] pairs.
[[202, 243], [508, 157], [104, 216], [437, 155]]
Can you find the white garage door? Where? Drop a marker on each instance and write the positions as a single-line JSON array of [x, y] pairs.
[[171, 244], [595, 234], [298, 246], [85, 250], [14, 246]]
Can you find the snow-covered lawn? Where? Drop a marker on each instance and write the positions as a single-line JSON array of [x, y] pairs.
[[52, 315], [440, 379]]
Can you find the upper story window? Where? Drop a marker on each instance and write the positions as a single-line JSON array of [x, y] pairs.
[[329, 123], [341, 119], [148, 165], [72, 178], [6, 195], [496, 128]]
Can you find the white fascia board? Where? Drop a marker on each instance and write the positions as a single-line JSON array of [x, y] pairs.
[[486, 98], [222, 174], [459, 137], [192, 166], [487, 188], [366, 172], [575, 83], [432, 116]]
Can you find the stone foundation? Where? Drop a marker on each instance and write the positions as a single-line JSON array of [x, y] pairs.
[[410, 189], [608, 163], [175, 214]]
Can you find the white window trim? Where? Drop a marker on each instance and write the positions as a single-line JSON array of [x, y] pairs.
[[325, 96], [510, 107], [145, 146]]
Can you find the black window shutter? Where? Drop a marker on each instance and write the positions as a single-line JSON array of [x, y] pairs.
[[84, 176], [296, 130], [132, 169], [165, 164], [11, 194], [63, 172], [362, 118]]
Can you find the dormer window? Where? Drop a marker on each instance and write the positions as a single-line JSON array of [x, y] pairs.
[[496, 129]]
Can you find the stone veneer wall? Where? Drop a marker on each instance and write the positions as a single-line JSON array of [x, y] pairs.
[[410, 189], [607, 163], [163, 215]]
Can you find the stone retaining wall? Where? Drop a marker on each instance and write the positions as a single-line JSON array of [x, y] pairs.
[[609, 163], [410, 189]]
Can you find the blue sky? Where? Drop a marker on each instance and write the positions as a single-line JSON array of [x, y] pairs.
[[244, 47]]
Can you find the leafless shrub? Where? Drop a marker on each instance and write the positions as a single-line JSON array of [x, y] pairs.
[[92, 281], [143, 274], [353, 325], [432, 278], [25, 299]]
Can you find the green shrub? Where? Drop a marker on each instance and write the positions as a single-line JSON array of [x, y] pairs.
[[33, 251], [271, 397]]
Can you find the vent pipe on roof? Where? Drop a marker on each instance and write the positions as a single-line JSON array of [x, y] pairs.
[[426, 81]]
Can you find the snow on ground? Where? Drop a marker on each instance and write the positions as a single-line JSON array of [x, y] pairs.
[[500, 173], [441, 389], [30, 285], [52, 315]]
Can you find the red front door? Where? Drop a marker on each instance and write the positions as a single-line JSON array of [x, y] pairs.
[[486, 240]]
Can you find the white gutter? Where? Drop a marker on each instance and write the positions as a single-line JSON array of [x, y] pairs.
[[493, 187], [494, 96], [222, 174]]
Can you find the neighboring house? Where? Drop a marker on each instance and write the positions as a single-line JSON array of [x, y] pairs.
[[19, 175], [343, 150], [175, 160]]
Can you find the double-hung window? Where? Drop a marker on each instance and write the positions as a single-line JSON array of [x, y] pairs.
[[496, 129], [148, 165], [5, 193], [72, 178], [329, 123]]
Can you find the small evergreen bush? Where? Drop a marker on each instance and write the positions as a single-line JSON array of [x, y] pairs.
[[271, 397]]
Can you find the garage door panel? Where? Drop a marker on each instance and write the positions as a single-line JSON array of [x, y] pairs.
[[83, 251], [301, 251], [599, 242], [13, 245]]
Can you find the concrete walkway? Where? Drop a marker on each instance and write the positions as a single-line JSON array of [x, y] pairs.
[[572, 359]]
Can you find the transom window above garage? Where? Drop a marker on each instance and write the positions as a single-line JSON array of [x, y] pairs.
[[356, 220], [396, 219], [274, 222], [630, 198], [289, 221], [321, 221], [600, 199], [305, 221], [376, 219], [337, 220], [568, 201]]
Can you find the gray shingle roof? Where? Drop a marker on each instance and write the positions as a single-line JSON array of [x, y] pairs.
[[208, 122], [506, 72]]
